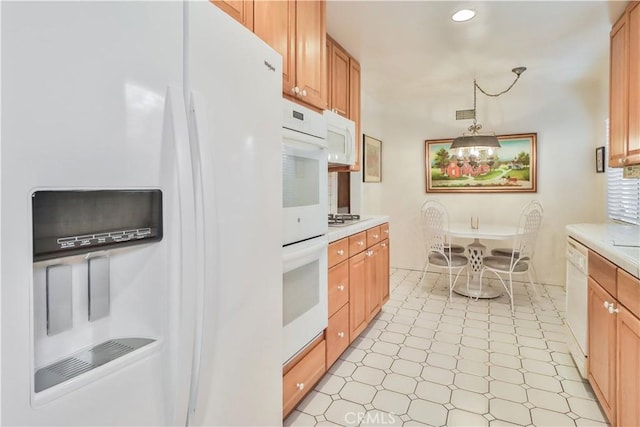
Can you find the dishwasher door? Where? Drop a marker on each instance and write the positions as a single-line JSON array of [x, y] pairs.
[[576, 302]]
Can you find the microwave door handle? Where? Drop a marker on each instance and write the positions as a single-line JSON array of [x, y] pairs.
[[350, 139]]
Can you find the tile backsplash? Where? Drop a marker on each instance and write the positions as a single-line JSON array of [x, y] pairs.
[[333, 192]]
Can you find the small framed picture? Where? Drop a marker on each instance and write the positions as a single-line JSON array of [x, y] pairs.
[[600, 159], [372, 159]]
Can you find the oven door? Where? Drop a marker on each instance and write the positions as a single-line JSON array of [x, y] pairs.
[[304, 297], [304, 185]]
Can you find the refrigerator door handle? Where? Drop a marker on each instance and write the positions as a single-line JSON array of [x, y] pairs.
[[199, 134], [177, 130]]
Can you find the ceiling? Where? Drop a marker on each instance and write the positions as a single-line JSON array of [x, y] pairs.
[[412, 49]]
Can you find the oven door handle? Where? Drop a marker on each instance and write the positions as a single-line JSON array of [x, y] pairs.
[[292, 259]]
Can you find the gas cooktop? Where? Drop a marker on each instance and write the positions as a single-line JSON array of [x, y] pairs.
[[341, 220]]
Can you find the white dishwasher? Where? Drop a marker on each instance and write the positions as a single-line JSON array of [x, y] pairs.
[[576, 303]]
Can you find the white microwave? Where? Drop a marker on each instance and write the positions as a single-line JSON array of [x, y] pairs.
[[341, 139]]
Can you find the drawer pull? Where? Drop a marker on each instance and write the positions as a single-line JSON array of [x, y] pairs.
[[360, 243], [341, 334], [300, 386], [386, 231], [375, 236], [369, 253], [340, 252], [384, 245], [341, 288]]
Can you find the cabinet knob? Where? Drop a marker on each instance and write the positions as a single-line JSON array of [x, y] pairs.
[[295, 90], [386, 231], [300, 386], [304, 92], [340, 252], [341, 288], [613, 310], [606, 304], [375, 236], [360, 243], [384, 245], [369, 253], [341, 334]]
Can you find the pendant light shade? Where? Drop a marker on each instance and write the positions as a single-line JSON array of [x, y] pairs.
[[469, 141]]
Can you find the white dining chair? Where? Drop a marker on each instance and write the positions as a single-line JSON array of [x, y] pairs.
[[518, 258], [439, 251]]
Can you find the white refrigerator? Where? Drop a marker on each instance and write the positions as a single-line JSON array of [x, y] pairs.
[[170, 98]]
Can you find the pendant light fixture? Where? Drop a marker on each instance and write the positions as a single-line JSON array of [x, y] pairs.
[[474, 146]]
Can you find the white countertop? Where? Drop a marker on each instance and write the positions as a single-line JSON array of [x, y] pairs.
[[366, 221], [619, 243]]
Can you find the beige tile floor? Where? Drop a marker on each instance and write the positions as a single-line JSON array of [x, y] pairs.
[[427, 361]]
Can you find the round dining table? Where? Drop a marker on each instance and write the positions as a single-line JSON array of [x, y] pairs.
[[475, 253]]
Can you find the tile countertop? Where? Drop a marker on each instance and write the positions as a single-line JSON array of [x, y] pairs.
[[366, 221], [619, 243]]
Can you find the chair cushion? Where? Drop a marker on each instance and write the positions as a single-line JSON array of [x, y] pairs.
[[456, 249], [503, 263], [505, 252], [440, 260]]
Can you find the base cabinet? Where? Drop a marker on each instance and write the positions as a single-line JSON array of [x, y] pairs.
[[613, 340], [601, 347]]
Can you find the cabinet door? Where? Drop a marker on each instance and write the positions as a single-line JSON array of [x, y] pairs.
[[633, 141], [274, 22], [618, 93], [372, 274], [357, 295], [628, 379], [339, 78], [240, 10], [601, 348], [354, 106], [384, 271], [337, 334], [310, 54]]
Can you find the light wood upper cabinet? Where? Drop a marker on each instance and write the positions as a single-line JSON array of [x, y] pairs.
[[338, 70], [297, 30], [624, 89], [240, 10], [310, 55], [354, 106]]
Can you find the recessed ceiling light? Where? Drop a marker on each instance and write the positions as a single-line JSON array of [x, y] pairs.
[[463, 15]]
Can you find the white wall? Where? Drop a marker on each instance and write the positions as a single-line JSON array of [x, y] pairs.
[[570, 124]]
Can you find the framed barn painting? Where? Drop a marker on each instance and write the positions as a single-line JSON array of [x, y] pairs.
[[511, 168]]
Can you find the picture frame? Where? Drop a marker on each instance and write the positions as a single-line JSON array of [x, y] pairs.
[[371, 159], [512, 169], [600, 159]]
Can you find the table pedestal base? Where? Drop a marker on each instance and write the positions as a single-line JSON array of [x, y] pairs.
[[475, 252]]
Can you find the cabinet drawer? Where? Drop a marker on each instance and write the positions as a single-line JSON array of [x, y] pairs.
[[629, 292], [337, 334], [384, 230], [338, 251], [301, 378], [603, 272], [338, 287], [373, 236], [357, 243]]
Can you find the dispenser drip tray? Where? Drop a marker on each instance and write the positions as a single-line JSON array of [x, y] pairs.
[[86, 360]]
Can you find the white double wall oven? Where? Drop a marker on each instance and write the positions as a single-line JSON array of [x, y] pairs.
[[304, 202]]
